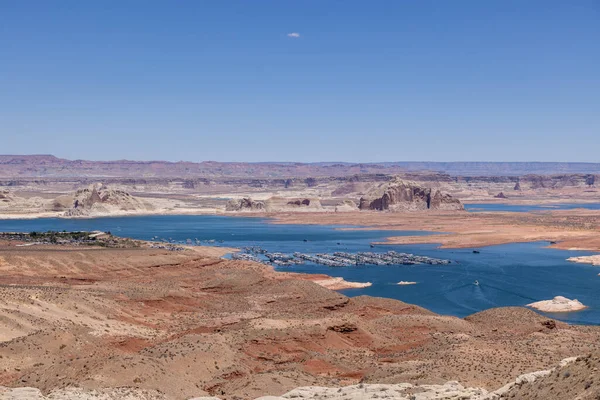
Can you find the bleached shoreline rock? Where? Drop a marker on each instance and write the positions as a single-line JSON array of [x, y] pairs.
[[340, 284], [594, 260], [558, 304]]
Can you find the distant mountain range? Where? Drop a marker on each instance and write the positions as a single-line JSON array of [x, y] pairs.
[[46, 166]]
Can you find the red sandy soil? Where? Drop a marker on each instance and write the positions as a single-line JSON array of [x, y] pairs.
[[190, 323]]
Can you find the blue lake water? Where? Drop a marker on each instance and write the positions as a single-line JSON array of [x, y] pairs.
[[508, 275], [529, 207]]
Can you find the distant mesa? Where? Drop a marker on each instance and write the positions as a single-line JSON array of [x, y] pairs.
[[46, 166], [401, 195], [558, 304]]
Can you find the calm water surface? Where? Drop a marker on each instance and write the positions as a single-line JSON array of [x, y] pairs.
[[508, 275], [530, 207]]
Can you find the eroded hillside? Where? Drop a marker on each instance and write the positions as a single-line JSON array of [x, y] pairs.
[[190, 323]]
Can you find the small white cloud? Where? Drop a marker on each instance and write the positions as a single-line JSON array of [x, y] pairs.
[[293, 35]]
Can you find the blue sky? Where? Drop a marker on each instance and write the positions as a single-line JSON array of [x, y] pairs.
[[196, 80]]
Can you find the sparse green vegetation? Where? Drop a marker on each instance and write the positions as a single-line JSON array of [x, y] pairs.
[[76, 238]]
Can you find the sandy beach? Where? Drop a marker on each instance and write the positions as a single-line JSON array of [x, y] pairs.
[[573, 229]]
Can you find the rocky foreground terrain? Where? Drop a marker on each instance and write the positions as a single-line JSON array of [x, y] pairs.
[[572, 378], [154, 323]]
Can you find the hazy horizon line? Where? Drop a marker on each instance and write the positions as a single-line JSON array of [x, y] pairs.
[[300, 162]]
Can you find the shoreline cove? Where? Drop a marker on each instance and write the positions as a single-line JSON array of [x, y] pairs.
[[501, 232], [457, 296]]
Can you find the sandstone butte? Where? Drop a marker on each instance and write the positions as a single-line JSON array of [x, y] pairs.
[[401, 195]]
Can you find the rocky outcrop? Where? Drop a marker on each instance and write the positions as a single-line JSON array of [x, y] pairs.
[[98, 200], [299, 203], [444, 201], [346, 205], [337, 283], [500, 195], [274, 204], [594, 260], [5, 196], [558, 304], [401, 195], [12, 204], [245, 204], [590, 180], [573, 378]]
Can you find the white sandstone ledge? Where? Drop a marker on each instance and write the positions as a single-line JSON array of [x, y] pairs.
[[594, 260], [558, 304], [406, 283], [340, 284]]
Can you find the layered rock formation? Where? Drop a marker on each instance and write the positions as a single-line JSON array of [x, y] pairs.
[[98, 200], [13, 205], [274, 204], [400, 195], [47, 165], [558, 304], [245, 204]]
